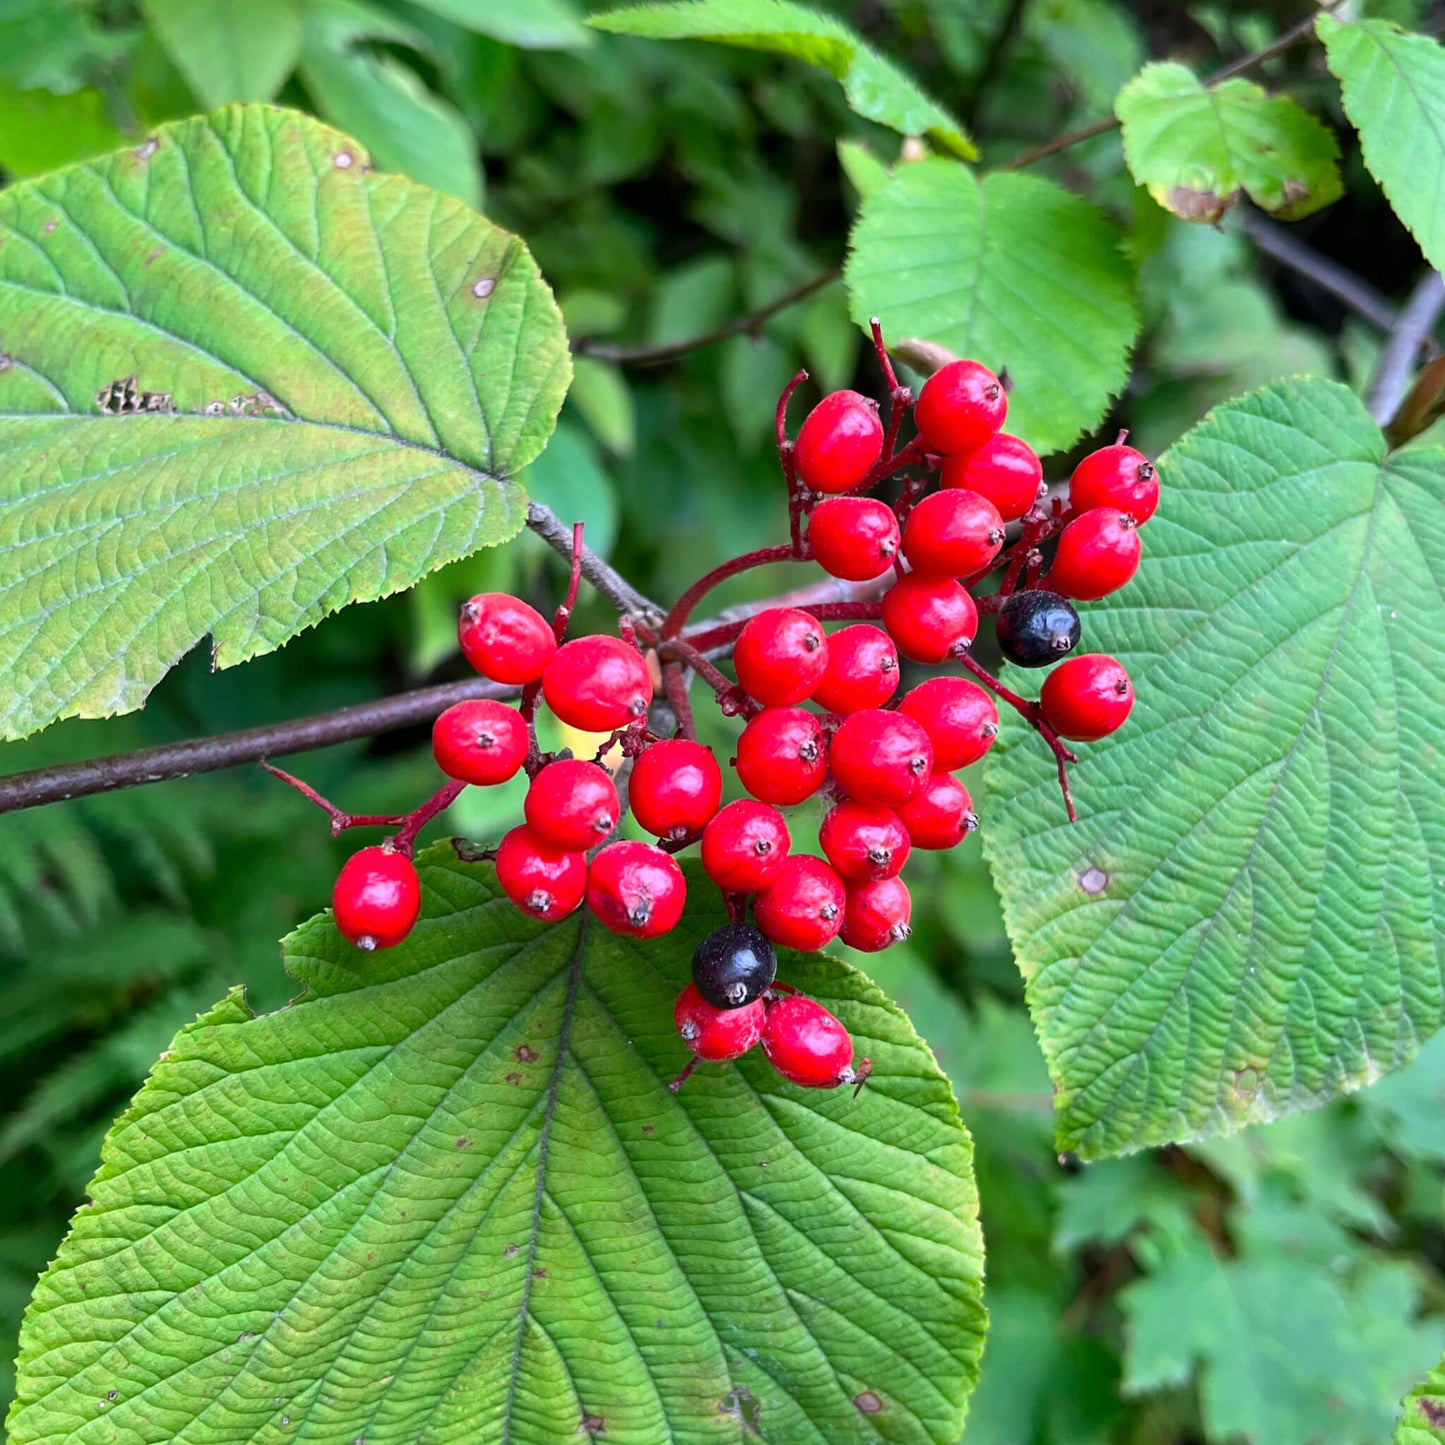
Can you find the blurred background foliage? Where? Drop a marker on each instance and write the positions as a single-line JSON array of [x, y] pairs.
[[1282, 1286]]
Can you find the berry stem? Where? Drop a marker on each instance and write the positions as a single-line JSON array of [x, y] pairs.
[[797, 501], [563, 614], [340, 821], [684, 1076], [674, 685], [900, 398], [418, 818], [682, 609]]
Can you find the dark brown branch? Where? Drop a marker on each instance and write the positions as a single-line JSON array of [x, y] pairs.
[[1245, 63], [1280, 244], [671, 350]]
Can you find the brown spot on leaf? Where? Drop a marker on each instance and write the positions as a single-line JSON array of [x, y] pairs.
[[511, 1251], [526, 1054], [868, 1403], [1295, 191], [484, 288], [146, 151], [1207, 206], [48, 227], [1432, 1410], [514, 1078], [469, 852], [464, 1142], [539, 1274], [1093, 880], [649, 1128], [1246, 1082], [742, 1405], [594, 1425], [154, 256], [343, 160]]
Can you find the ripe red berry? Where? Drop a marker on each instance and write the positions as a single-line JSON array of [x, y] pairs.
[[881, 757], [676, 787], [862, 670], [572, 804], [952, 533], [377, 897], [806, 1044], [504, 638], [941, 816], [960, 407], [745, 846], [1004, 469], [855, 538], [636, 889], [781, 656], [876, 915], [1087, 697], [929, 618], [598, 684], [782, 756], [1098, 553], [480, 741], [960, 719], [839, 442], [1116, 476], [544, 881], [715, 1034], [864, 841], [803, 906]]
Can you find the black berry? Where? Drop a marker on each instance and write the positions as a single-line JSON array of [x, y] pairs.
[[1037, 628], [733, 965]]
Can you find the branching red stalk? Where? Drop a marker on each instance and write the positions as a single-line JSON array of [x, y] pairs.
[[682, 609], [409, 824]]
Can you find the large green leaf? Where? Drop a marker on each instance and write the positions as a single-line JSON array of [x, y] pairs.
[[447, 1197], [1011, 270], [875, 88], [229, 50], [1248, 919], [402, 357], [1393, 82], [1196, 147]]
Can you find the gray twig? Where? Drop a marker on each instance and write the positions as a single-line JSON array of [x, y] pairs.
[[1412, 330], [610, 584]]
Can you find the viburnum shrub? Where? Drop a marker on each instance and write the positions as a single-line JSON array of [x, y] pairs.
[[882, 763]]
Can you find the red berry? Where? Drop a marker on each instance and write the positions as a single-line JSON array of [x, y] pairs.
[[855, 538], [864, 841], [480, 741], [960, 407], [781, 656], [572, 804], [881, 757], [504, 639], [598, 684], [941, 816], [745, 846], [929, 618], [862, 670], [960, 719], [1087, 697], [1098, 553], [952, 533], [803, 906], [1004, 469], [782, 756], [876, 915], [377, 897], [676, 787], [1116, 476], [544, 881], [806, 1044], [715, 1034], [636, 889], [839, 442]]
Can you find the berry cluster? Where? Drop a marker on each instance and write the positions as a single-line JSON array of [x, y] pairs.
[[822, 718]]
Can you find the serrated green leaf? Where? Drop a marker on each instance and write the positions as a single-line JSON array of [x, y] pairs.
[[448, 1196], [1197, 147], [403, 359], [1393, 83], [1011, 270], [534, 25], [875, 88], [1422, 1414], [1247, 920], [229, 50]]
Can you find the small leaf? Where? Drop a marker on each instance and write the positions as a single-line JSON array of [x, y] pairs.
[[1196, 147], [448, 1196], [1393, 82], [229, 50], [1248, 919], [1422, 1415], [1013, 271], [353, 368], [875, 88], [601, 394]]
